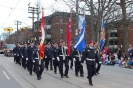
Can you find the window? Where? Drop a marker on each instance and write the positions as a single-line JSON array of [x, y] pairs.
[[113, 34], [61, 31], [113, 42], [61, 20]]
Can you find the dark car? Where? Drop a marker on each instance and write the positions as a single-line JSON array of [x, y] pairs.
[[8, 51]]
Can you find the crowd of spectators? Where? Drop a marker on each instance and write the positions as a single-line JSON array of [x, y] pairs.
[[112, 56]]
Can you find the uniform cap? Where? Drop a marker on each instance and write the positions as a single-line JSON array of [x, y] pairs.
[[22, 43], [25, 42], [90, 42], [31, 41], [94, 42], [62, 41]]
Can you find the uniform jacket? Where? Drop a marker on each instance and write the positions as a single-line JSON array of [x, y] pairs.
[[89, 54], [49, 52]]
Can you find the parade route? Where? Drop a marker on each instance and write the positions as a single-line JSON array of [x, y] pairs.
[[17, 77]]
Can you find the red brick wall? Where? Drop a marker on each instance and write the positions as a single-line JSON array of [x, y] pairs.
[[56, 26]]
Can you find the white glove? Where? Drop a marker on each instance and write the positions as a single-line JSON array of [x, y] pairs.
[[58, 59], [65, 47], [22, 56], [14, 54], [53, 58], [81, 63], [26, 58], [45, 56], [33, 61], [74, 59]]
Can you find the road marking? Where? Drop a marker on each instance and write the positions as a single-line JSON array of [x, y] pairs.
[[6, 75], [88, 82]]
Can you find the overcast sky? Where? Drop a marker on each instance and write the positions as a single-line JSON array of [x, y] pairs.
[[12, 10]]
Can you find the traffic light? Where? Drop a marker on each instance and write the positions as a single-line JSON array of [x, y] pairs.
[[8, 29]]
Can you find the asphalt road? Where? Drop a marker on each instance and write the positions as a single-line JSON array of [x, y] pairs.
[[14, 76]]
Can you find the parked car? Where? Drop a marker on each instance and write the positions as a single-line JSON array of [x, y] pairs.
[[8, 51], [2, 49]]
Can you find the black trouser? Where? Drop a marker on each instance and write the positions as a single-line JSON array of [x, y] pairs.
[[38, 68], [91, 72], [24, 62], [30, 65], [18, 59], [78, 68], [71, 63], [56, 64], [47, 63], [15, 58], [98, 66], [61, 66]]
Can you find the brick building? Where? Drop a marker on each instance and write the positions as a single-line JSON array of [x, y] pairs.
[[56, 25], [116, 37]]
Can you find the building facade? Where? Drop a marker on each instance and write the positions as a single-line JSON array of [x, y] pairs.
[[56, 27]]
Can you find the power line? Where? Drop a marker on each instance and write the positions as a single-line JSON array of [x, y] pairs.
[[11, 7], [11, 12]]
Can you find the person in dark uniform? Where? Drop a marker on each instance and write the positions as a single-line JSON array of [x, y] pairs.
[[63, 59], [30, 56], [55, 52], [38, 63], [89, 56], [98, 58], [49, 56], [15, 53], [71, 58], [18, 53], [22, 53], [77, 59], [25, 55]]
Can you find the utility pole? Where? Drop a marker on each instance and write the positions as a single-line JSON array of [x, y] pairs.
[[34, 11], [77, 30], [17, 23]]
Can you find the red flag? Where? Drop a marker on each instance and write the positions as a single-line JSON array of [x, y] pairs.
[[69, 34], [42, 35]]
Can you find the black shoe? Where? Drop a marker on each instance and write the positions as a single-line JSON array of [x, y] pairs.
[[51, 69], [76, 75], [67, 76], [97, 72], [61, 76], [91, 84], [82, 75], [71, 67], [38, 78]]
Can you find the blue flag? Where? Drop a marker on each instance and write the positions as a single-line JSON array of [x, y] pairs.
[[80, 41], [102, 38]]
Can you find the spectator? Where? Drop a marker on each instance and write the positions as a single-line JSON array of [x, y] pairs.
[[131, 53], [119, 54], [129, 49], [123, 60]]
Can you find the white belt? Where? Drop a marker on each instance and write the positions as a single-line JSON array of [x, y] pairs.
[[36, 58], [90, 59], [63, 56]]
